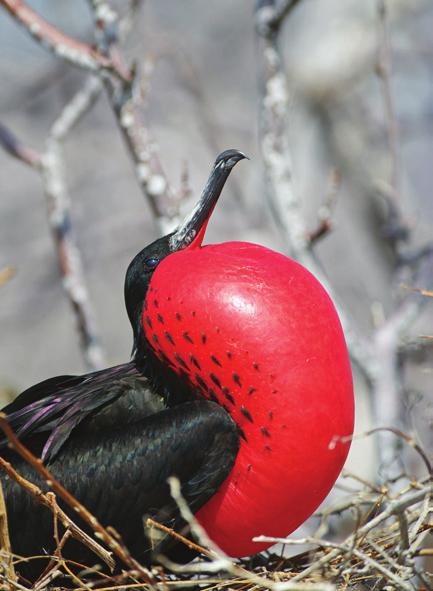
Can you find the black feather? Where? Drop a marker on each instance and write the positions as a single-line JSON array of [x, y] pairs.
[[58, 406]]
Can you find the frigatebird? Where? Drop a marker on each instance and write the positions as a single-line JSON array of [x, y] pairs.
[[238, 384]]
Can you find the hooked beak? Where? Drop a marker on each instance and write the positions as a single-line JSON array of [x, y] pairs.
[[191, 231]]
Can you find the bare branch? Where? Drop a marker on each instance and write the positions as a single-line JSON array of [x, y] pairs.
[[388, 406], [59, 218], [127, 103], [147, 165], [383, 70], [283, 198], [127, 99], [67, 48], [270, 14], [79, 105], [151, 523], [50, 166]]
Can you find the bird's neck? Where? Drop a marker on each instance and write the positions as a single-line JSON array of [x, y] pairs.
[[174, 388]]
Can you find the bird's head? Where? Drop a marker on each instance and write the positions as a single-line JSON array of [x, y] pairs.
[[189, 235]]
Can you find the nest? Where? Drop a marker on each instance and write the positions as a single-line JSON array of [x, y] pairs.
[[385, 544]]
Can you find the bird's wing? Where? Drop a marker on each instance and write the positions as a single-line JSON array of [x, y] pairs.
[[120, 475], [57, 406]]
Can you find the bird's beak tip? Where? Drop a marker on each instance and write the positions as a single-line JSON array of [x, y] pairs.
[[242, 155]]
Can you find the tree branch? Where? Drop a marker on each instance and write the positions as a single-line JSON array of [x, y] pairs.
[[281, 192], [61, 45], [383, 70], [50, 166], [127, 99], [270, 15]]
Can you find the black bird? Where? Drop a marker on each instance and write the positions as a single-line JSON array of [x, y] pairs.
[[239, 382], [113, 437]]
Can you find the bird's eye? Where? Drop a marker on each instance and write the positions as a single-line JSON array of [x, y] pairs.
[[151, 262]]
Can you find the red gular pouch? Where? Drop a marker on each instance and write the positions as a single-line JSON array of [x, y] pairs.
[[255, 332]]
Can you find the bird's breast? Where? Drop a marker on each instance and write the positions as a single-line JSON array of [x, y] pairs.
[[256, 332]]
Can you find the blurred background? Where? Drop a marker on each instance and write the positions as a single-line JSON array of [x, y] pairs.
[[203, 96]]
